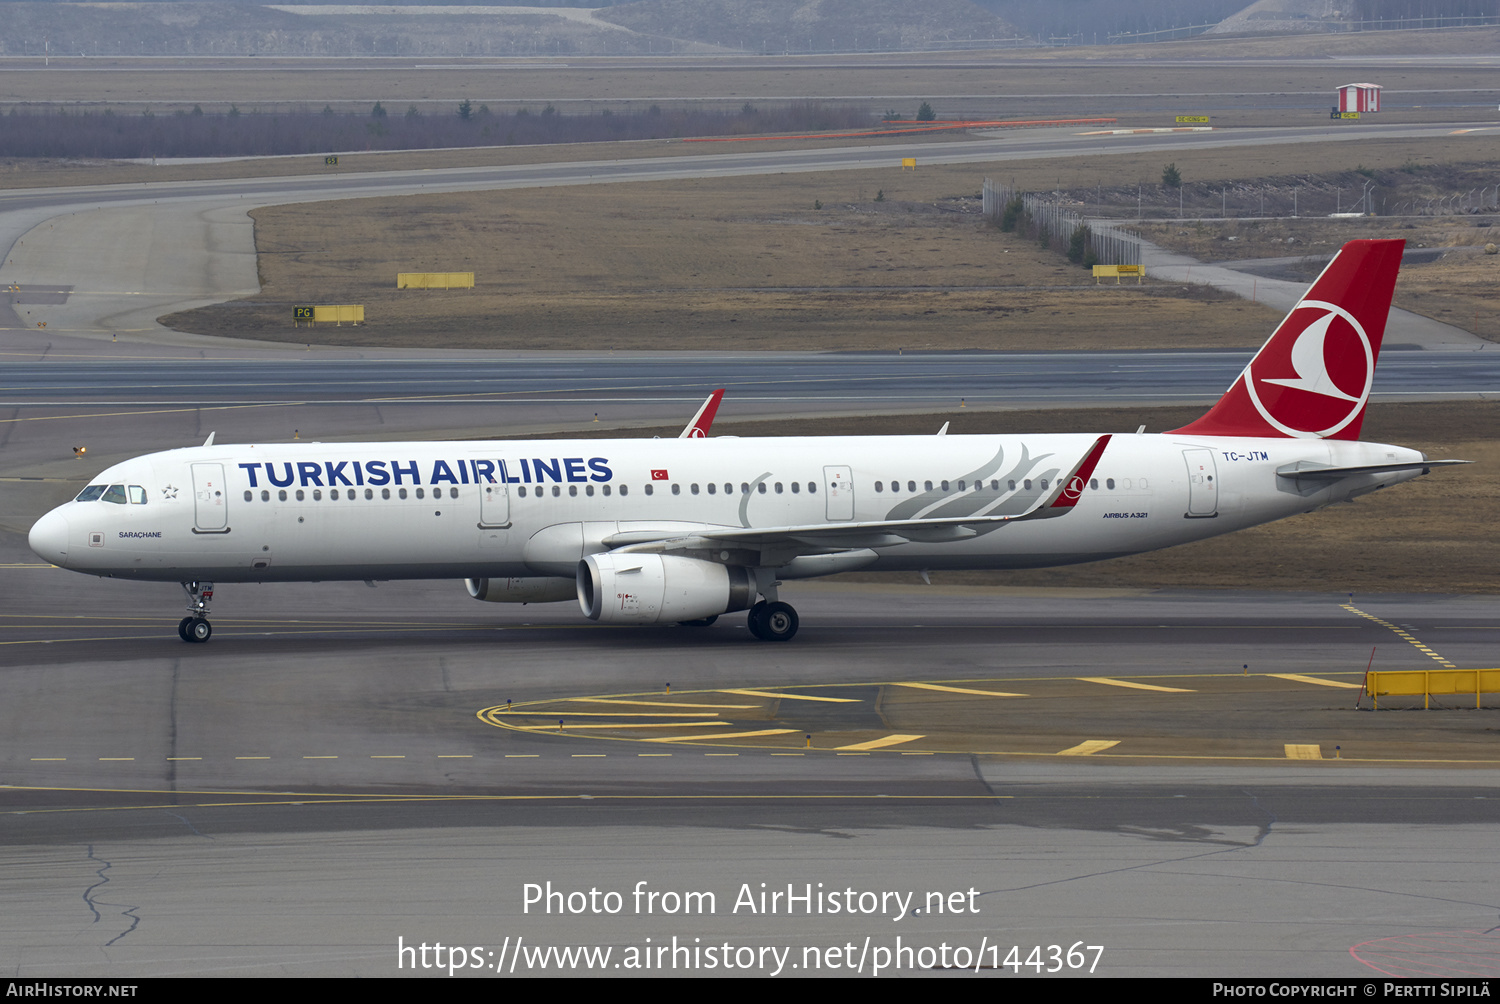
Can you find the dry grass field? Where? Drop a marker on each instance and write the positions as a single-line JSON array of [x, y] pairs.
[[749, 263], [1461, 287], [1434, 534], [745, 263]]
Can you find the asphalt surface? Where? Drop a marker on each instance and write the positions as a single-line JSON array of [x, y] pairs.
[[316, 785]]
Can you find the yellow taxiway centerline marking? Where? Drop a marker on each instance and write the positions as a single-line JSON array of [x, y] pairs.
[[875, 744], [662, 704], [721, 735], [608, 714], [609, 725], [1296, 751], [1299, 678], [956, 690], [792, 697], [1400, 633], [1089, 746], [1109, 682]]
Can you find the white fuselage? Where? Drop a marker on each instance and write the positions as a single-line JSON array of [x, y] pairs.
[[311, 511]]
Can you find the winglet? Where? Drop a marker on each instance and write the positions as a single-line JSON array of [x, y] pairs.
[[210, 440], [704, 419], [1070, 489]]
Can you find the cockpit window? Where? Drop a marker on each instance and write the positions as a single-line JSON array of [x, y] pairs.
[[90, 494], [137, 495], [115, 494]]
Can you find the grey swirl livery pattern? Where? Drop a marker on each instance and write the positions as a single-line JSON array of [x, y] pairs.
[[977, 500]]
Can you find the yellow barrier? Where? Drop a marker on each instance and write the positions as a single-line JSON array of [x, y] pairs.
[[434, 280], [350, 313], [1411, 682], [910, 162], [1115, 271]]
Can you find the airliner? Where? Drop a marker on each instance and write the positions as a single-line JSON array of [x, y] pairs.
[[681, 531]]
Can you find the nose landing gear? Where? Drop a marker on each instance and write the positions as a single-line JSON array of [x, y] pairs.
[[196, 628]]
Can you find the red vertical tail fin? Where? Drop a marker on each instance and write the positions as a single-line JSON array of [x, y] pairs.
[[1312, 379]]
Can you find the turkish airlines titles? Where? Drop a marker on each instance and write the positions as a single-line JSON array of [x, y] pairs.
[[331, 474]]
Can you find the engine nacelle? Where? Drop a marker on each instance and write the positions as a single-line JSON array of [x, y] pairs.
[[659, 588], [533, 589]]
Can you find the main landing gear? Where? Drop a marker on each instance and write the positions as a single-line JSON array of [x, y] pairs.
[[775, 621], [196, 626]]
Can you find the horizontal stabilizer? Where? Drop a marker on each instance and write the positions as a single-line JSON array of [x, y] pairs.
[[1308, 469]]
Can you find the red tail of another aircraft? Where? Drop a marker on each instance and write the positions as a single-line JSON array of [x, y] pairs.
[[1312, 379]]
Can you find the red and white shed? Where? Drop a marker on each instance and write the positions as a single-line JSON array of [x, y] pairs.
[[1359, 97]]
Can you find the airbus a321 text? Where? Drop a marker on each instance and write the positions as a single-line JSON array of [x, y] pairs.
[[652, 531]]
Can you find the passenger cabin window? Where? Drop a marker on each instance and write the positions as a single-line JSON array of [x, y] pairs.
[[796, 487], [812, 488], [676, 489], [90, 494]]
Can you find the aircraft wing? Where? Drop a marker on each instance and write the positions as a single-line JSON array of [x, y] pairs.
[[814, 538]]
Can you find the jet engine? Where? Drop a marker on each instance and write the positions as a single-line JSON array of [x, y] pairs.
[[659, 588], [533, 589]]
